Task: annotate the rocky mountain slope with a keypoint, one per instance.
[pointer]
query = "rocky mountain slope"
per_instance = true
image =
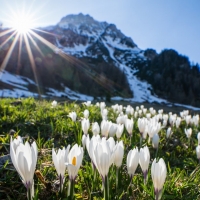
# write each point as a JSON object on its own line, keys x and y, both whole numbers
{"x": 89, "y": 59}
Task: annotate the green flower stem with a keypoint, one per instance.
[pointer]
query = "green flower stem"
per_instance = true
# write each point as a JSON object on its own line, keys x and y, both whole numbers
{"x": 106, "y": 188}
{"x": 71, "y": 189}
{"x": 156, "y": 152}
{"x": 61, "y": 183}
{"x": 76, "y": 136}
{"x": 117, "y": 179}
{"x": 141, "y": 139}
{"x": 29, "y": 193}
{"x": 94, "y": 179}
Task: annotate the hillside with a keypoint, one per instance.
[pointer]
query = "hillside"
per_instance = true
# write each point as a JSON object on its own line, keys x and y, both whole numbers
{"x": 81, "y": 57}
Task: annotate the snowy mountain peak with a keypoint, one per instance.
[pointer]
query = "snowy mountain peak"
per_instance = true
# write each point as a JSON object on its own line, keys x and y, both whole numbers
{"x": 82, "y": 24}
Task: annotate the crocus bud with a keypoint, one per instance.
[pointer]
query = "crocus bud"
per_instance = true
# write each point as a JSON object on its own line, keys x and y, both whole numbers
{"x": 120, "y": 129}
{"x": 73, "y": 116}
{"x": 87, "y": 103}
{"x": 54, "y": 104}
{"x": 155, "y": 141}
{"x": 188, "y": 132}
{"x": 86, "y": 113}
{"x": 113, "y": 130}
{"x": 102, "y": 157}
{"x": 198, "y": 138}
{"x": 198, "y": 152}
{"x": 59, "y": 160}
{"x": 105, "y": 127}
{"x": 158, "y": 174}
{"x": 142, "y": 123}
{"x": 169, "y": 132}
{"x": 129, "y": 126}
{"x": 24, "y": 159}
{"x": 144, "y": 158}
{"x": 118, "y": 153}
{"x": 132, "y": 161}
{"x": 84, "y": 137}
{"x": 85, "y": 125}
{"x": 95, "y": 128}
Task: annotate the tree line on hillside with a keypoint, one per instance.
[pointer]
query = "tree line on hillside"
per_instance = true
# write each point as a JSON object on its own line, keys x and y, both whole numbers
{"x": 172, "y": 77}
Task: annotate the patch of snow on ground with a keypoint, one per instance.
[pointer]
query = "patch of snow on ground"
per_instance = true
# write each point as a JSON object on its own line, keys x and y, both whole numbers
{"x": 70, "y": 94}
{"x": 17, "y": 93}
{"x": 14, "y": 79}
{"x": 186, "y": 106}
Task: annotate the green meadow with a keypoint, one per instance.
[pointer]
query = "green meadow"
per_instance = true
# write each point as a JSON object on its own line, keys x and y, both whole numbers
{"x": 51, "y": 127}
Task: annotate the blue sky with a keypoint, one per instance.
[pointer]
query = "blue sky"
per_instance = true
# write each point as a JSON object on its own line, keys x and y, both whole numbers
{"x": 157, "y": 24}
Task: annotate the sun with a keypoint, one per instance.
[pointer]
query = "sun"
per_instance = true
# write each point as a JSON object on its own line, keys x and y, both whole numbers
{"x": 22, "y": 23}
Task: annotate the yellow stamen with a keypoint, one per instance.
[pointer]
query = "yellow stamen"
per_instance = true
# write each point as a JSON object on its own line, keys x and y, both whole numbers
{"x": 74, "y": 161}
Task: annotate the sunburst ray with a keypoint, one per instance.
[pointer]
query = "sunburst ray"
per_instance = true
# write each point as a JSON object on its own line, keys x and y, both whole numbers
{"x": 30, "y": 54}
{"x": 5, "y": 61}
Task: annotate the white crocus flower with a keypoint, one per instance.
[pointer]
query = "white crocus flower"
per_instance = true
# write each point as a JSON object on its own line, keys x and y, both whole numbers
{"x": 129, "y": 110}
{"x": 87, "y": 103}
{"x": 132, "y": 161}
{"x": 120, "y": 129}
{"x": 165, "y": 117}
{"x": 59, "y": 160}
{"x": 121, "y": 118}
{"x": 105, "y": 127}
{"x": 104, "y": 114}
{"x": 172, "y": 119}
{"x": 187, "y": 119}
{"x": 73, "y": 116}
{"x": 102, "y": 157}
{"x": 54, "y": 104}
{"x": 158, "y": 174}
{"x": 142, "y": 124}
{"x": 86, "y": 113}
{"x": 144, "y": 159}
{"x": 92, "y": 146}
{"x": 178, "y": 122}
{"x": 188, "y": 132}
{"x": 140, "y": 112}
{"x": 164, "y": 124}
{"x": 129, "y": 126}
{"x": 148, "y": 116}
{"x": 111, "y": 143}
{"x": 24, "y": 159}
{"x": 155, "y": 141}
{"x": 74, "y": 161}
{"x": 102, "y": 105}
{"x": 113, "y": 130}
{"x": 95, "y": 128}
{"x": 136, "y": 114}
{"x": 198, "y": 138}
{"x": 144, "y": 110}
{"x": 85, "y": 125}
{"x": 118, "y": 153}
{"x": 198, "y": 152}
{"x": 153, "y": 127}
{"x": 142, "y": 106}
{"x": 17, "y": 141}
{"x": 169, "y": 132}
{"x": 83, "y": 140}
{"x": 196, "y": 120}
